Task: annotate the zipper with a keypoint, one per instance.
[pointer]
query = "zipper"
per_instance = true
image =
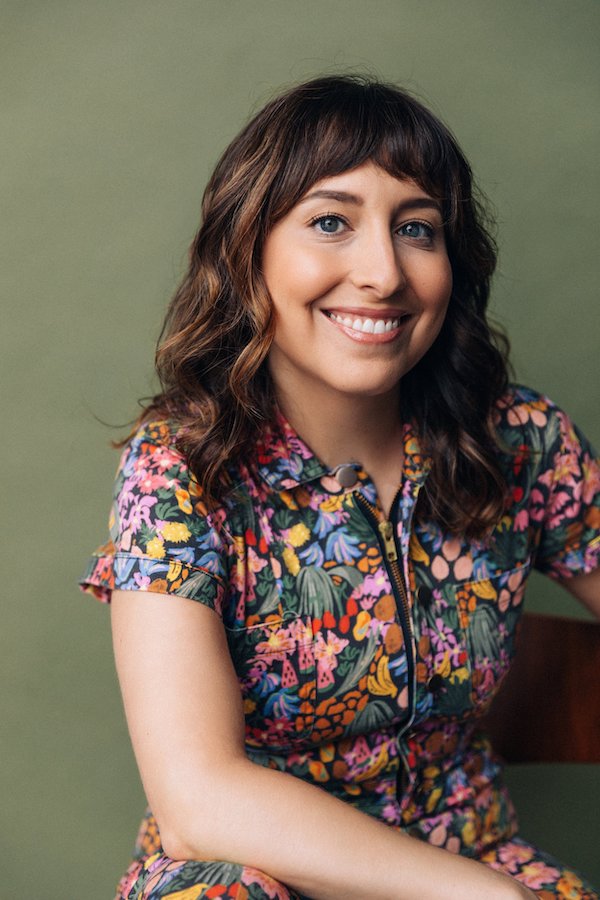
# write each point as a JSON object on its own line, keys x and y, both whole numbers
{"x": 386, "y": 532}
{"x": 385, "y": 529}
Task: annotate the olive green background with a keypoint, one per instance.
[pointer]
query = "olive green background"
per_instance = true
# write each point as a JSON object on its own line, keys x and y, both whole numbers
{"x": 113, "y": 114}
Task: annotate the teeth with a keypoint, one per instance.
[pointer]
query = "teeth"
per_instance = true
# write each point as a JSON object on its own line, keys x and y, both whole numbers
{"x": 366, "y": 326}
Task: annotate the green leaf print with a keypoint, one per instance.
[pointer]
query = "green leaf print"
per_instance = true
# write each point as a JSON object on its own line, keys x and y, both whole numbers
{"x": 317, "y": 592}
{"x": 482, "y": 634}
{"x": 361, "y": 667}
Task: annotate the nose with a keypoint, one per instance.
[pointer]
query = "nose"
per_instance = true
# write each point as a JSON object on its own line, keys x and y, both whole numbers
{"x": 376, "y": 264}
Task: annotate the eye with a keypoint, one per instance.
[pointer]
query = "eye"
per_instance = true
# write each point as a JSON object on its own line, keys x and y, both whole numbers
{"x": 421, "y": 231}
{"x": 329, "y": 224}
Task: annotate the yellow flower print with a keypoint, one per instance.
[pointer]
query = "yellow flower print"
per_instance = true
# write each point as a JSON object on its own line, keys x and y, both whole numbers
{"x": 183, "y": 501}
{"x": 298, "y": 534}
{"x": 176, "y": 532}
{"x": 569, "y": 885}
{"x": 459, "y": 675}
{"x": 155, "y": 548}
{"x": 332, "y": 504}
{"x": 291, "y": 561}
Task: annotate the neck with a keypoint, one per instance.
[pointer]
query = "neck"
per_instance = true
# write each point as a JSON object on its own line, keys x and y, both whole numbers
{"x": 345, "y": 429}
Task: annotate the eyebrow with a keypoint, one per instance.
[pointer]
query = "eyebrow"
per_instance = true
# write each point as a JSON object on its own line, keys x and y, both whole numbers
{"x": 344, "y": 197}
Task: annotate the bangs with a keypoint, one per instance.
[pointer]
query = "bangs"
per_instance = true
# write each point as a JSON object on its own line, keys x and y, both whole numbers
{"x": 338, "y": 125}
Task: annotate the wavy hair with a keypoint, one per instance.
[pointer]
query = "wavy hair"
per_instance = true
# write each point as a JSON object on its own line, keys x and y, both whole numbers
{"x": 211, "y": 356}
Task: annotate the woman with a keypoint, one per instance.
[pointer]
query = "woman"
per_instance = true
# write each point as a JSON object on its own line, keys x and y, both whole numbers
{"x": 339, "y": 473}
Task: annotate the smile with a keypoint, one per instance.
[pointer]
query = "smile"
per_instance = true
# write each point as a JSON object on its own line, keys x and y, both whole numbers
{"x": 365, "y": 327}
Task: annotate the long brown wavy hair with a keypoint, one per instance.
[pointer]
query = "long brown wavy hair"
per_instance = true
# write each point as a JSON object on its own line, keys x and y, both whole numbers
{"x": 212, "y": 352}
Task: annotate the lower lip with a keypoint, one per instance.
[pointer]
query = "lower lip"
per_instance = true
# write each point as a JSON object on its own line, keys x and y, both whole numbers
{"x": 365, "y": 337}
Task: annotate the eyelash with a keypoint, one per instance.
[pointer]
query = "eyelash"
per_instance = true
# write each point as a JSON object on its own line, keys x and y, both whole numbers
{"x": 317, "y": 219}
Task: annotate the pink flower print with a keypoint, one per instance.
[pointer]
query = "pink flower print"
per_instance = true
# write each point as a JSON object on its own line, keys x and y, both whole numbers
{"x": 244, "y": 574}
{"x": 278, "y": 645}
{"x": 536, "y": 874}
{"x": 326, "y": 654}
{"x": 125, "y": 541}
{"x": 513, "y": 855}
{"x": 537, "y": 504}
{"x": 591, "y": 482}
{"x": 570, "y": 440}
{"x": 164, "y": 458}
{"x": 275, "y": 730}
{"x": 142, "y": 581}
{"x": 149, "y": 483}
{"x": 443, "y": 637}
{"x": 519, "y": 415}
{"x": 272, "y": 889}
{"x": 372, "y": 588}
{"x": 139, "y": 513}
{"x": 301, "y": 631}
{"x": 566, "y": 470}
{"x": 329, "y": 650}
{"x": 521, "y": 520}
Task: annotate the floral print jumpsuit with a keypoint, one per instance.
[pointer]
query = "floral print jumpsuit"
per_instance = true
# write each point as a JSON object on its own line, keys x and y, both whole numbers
{"x": 366, "y": 649}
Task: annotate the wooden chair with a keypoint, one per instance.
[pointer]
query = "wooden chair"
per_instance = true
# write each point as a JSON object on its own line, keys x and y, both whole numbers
{"x": 548, "y": 709}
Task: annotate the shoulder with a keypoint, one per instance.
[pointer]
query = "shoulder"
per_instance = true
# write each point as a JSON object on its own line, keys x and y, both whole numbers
{"x": 527, "y": 420}
{"x": 152, "y": 447}
{"x": 521, "y": 407}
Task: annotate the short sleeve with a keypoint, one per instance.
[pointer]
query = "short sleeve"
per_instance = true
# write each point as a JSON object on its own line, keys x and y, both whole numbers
{"x": 161, "y": 537}
{"x": 564, "y": 496}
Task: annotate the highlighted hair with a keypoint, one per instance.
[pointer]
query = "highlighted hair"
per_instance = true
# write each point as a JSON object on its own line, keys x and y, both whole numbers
{"x": 212, "y": 353}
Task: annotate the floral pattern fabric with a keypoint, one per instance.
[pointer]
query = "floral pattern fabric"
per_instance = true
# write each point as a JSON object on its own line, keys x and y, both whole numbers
{"x": 366, "y": 650}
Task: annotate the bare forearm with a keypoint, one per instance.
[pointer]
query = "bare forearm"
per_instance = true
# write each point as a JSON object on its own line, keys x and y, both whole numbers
{"x": 321, "y": 846}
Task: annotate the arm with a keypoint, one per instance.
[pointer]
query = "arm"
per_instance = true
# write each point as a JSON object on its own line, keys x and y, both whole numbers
{"x": 183, "y": 707}
{"x": 586, "y": 588}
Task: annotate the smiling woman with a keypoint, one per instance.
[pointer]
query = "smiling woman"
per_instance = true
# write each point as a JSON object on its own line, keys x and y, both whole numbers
{"x": 323, "y": 527}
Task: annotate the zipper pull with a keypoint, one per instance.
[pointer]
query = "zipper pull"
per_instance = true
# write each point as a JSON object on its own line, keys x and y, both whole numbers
{"x": 386, "y": 529}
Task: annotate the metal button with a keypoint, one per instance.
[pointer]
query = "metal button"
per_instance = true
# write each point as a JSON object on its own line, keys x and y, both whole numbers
{"x": 435, "y": 683}
{"x": 346, "y": 475}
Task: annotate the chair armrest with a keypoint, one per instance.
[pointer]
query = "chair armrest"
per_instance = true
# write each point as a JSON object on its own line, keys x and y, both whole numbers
{"x": 548, "y": 707}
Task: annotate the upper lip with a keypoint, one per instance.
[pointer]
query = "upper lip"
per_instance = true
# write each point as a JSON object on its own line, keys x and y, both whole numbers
{"x": 386, "y": 313}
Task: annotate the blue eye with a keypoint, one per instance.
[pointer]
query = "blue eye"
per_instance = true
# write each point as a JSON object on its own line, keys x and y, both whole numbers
{"x": 328, "y": 224}
{"x": 418, "y": 230}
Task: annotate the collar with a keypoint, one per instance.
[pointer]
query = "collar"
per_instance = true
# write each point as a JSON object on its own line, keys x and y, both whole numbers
{"x": 284, "y": 460}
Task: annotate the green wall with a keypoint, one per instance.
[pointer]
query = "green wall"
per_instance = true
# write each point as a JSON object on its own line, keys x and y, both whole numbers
{"x": 113, "y": 114}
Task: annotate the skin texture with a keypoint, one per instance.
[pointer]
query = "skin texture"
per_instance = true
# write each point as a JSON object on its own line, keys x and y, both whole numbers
{"x": 359, "y": 244}
{"x": 380, "y": 253}
{"x": 187, "y": 734}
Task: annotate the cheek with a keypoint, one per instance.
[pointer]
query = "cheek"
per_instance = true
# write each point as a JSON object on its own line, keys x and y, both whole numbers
{"x": 296, "y": 275}
{"x": 435, "y": 289}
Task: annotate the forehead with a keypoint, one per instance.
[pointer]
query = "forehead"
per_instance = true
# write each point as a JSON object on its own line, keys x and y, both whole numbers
{"x": 365, "y": 184}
